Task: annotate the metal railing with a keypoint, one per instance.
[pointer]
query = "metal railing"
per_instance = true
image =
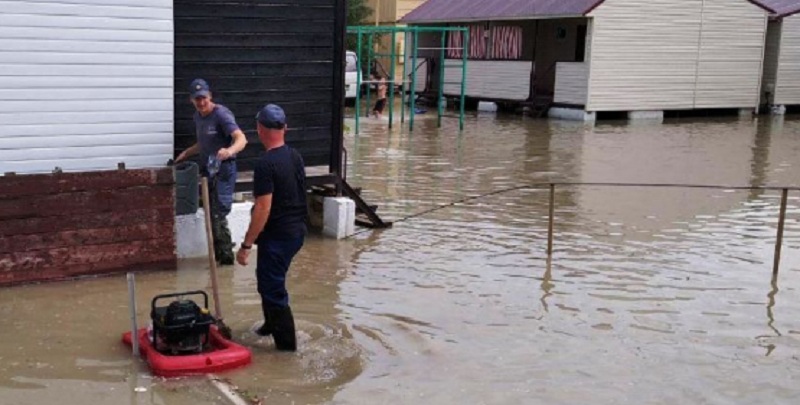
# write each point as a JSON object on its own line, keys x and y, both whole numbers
{"x": 781, "y": 216}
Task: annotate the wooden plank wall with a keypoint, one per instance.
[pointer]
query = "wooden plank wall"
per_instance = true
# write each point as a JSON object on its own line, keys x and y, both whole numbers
{"x": 254, "y": 52}
{"x": 57, "y": 226}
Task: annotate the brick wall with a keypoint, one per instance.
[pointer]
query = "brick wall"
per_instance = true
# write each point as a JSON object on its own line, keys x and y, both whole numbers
{"x": 57, "y": 226}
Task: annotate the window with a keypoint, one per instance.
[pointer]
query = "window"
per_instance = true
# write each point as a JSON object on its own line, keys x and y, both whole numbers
{"x": 477, "y": 43}
{"x": 506, "y": 43}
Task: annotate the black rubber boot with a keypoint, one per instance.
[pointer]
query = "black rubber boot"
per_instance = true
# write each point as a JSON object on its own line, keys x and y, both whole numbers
{"x": 283, "y": 331}
{"x": 266, "y": 328}
{"x": 225, "y": 258}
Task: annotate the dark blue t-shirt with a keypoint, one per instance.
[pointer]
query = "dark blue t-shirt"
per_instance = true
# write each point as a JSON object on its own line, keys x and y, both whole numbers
{"x": 281, "y": 172}
{"x": 214, "y": 131}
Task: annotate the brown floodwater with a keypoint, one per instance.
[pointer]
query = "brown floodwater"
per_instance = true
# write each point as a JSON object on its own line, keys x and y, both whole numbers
{"x": 653, "y": 296}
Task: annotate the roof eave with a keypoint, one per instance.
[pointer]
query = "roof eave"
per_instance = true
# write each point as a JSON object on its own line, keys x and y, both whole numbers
{"x": 479, "y": 19}
{"x": 764, "y": 6}
{"x": 788, "y": 14}
{"x": 593, "y": 7}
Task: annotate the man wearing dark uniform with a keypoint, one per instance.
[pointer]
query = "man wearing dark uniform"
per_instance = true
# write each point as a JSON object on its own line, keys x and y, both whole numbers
{"x": 277, "y": 224}
{"x": 219, "y": 139}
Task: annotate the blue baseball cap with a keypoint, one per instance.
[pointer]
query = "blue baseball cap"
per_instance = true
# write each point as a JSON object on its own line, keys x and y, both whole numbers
{"x": 199, "y": 88}
{"x": 272, "y": 116}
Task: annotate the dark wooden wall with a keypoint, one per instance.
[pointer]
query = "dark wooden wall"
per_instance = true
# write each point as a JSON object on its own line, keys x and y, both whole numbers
{"x": 253, "y": 52}
{"x": 55, "y": 226}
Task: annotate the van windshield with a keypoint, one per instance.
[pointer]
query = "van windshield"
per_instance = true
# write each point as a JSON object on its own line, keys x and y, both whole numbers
{"x": 352, "y": 63}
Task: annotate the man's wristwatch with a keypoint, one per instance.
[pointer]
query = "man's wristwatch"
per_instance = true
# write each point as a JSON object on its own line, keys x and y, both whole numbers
{"x": 246, "y": 246}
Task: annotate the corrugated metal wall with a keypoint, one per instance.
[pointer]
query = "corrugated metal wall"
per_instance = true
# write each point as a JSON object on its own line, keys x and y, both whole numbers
{"x": 644, "y": 54}
{"x": 731, "y": 54}
{"x": 84, "y": 85}
{"x": 788, "y": 82}
{"x": 487, "y": 80}
{"x": 676, "y": 54}
{"x": 253, "y": 52}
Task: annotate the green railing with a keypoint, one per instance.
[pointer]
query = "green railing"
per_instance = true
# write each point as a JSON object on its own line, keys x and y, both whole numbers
{"x": 408, "y": 79}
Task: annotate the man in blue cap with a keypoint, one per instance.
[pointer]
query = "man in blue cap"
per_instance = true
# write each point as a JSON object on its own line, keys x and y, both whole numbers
{"x": 219, "y": 140}
{"x": 277, "y": 224}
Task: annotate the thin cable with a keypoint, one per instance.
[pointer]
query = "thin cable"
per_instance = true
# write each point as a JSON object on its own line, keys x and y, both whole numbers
{"x": 532, "y": 186}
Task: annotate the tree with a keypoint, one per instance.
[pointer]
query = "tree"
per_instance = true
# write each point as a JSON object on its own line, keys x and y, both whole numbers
{"x": 357, "y": 14}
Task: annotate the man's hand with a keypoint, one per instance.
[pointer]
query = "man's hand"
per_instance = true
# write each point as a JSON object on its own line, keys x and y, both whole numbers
{"x": 181, "y": 157}
{"x": 242, "y": 255}
{"x": 224, "y": 154}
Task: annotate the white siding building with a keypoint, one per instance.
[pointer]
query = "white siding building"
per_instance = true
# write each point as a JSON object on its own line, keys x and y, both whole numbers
{"x": 85, "y": 84}
{"x": 781, "y": 84}
{"x": 675, "y": 55}
{"x": 620, "y": 55}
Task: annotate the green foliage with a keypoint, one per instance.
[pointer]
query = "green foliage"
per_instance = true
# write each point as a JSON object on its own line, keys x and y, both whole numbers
{"x": 358, "y": 13}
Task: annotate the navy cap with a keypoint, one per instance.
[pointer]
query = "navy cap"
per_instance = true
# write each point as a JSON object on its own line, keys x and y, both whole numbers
{"x": 272, "y": 116}
{"x": 199, "y": 88}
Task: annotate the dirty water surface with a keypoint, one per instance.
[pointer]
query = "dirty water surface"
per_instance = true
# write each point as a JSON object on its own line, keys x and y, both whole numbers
{"x": 653, "y": 295}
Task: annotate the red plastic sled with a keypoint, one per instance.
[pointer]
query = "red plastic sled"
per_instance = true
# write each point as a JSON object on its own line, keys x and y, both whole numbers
{"x": 224, "y": 355}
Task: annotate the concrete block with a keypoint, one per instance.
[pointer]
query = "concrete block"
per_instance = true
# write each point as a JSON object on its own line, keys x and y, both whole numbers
{"x": 190, "y": 234}
{"x": 190, "y": 230}
{"x": 656, "y": 116}
{"x": 777, "y": 110}
{"x": 339, "y": 217}
{"x": 239, "y": 221}
{"x": 316, "y": 212}
{"x": 572, "y": 114}
{"x": 487, "y": 106}
{"x": 747, "y": 112}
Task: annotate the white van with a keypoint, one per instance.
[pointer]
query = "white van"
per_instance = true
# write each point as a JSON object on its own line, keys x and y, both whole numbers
{"x": 351, "y": 74}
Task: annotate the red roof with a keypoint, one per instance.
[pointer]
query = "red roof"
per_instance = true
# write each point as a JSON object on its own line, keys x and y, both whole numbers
{"x": 780, "y": 8}
{"x": 470, "y": 10}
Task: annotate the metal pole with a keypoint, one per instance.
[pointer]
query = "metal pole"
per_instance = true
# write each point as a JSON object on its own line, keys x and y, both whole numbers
{"x": 779, "y": 242}
{"x": 392, "y": 79}
{"x": 465, "y": 34}
{"x": 405, "y": 77}
{"x": 550, "y": 220}
{"x": 134, "y": 326}
{"x": 442, "y": 64}
{"x": 412, "y": 101}
{"x": 369, "y": 71}
{"x": 358, "y": 80}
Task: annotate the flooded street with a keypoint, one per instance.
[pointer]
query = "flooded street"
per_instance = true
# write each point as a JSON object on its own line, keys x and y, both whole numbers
{"x": 653, "y": 296}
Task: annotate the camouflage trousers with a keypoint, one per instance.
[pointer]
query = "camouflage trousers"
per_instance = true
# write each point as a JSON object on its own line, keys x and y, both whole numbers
{"x": 221, "y": 189}
{"x": 223, "y": 244}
